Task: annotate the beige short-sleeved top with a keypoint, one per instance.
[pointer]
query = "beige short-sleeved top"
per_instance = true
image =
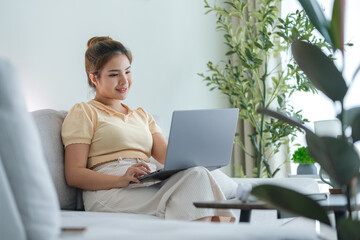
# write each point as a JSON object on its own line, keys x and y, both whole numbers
{"x": 110, "y": 134}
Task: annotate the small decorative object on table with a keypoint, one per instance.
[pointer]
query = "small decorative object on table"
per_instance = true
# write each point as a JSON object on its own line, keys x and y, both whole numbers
{"x": 306, "y": 162}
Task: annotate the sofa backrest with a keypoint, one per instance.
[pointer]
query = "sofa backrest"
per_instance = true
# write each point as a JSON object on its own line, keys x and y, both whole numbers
{"x": 49, "y": 123}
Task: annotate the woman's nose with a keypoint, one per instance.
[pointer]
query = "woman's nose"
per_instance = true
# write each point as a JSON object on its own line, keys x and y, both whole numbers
{"x": 122, "y": 77}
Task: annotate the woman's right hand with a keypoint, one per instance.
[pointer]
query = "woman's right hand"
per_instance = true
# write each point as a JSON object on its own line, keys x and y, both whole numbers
{"x": 135, "y": 171}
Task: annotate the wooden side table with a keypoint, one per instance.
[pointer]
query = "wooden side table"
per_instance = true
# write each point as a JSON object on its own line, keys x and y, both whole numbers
{"x": 335, "y": 203}
{"x": 245, "y": 207}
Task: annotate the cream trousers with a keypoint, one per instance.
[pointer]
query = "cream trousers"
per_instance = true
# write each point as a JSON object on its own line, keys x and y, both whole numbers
{"x": 170, "y": 199}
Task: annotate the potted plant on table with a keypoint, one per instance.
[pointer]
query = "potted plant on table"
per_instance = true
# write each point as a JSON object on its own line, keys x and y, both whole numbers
{"x": 337, "y": 156}
{"x": 306, "y": 162}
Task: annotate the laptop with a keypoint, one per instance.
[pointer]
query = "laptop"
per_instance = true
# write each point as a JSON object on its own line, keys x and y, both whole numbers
{"x": 198, "y": 138}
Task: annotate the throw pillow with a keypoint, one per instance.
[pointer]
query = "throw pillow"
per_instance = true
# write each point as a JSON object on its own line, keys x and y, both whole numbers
{"x": 23, "y": 160}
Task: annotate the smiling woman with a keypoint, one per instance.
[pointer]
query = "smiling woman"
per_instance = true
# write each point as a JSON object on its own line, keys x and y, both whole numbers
{"x": 108, "y": 147}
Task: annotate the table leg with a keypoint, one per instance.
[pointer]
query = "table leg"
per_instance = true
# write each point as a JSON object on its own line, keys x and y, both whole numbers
{"x": 245, "y": 216}
{"x": 338, "y": 216}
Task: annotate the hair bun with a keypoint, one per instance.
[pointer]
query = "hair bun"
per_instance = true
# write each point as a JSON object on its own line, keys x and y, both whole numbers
{"x": 95, "y": 40}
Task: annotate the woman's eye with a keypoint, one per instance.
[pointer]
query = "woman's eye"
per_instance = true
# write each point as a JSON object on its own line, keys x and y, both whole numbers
{"x": 113, "y": 75}
{"x": 127, "y": 72}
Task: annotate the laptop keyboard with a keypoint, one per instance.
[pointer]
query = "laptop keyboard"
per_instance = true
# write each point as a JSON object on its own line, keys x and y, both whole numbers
{"x": 152, "y": 173}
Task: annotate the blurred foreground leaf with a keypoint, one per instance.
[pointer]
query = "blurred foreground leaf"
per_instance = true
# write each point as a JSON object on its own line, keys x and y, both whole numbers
{"x": 352, "y": 118}
{"x": 349, "y": 229}
{"x": 337, "y": 157}
{"x": 325, "y": 76}
{"x": 290, "y": 201}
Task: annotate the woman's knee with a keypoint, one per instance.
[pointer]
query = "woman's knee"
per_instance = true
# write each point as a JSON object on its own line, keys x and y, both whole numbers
{"x": 198, "y": 171}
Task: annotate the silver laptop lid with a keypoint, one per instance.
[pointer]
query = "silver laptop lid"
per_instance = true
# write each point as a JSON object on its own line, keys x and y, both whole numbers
{"x": 201, "y": 138}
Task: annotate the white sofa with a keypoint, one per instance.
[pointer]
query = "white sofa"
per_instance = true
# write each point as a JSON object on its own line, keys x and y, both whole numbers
{"x": 119, "y": 224}
{"x": 35, "y": 201}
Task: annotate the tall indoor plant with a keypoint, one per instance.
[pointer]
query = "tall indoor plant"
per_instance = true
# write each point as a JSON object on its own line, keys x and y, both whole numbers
{"x": 248, "y": 78}
{"x": 337, "y": 156}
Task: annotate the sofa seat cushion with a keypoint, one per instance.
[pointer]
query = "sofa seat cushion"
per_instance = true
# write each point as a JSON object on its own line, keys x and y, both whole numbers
{"x": 101, "y": 225}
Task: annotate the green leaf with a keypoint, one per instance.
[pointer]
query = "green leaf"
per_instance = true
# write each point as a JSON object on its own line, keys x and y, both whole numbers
{"x": 208, "y": 11}
{"x": 336, "y": 156}
{"x": 275, "y": 172}
{"x": 337, "y": 25}
{"x": 352, "y": 118}
{"x": 348, "y": 228}
{"x": 229, "y": 53}
{"x": 317, "y": 18}
{"x": 320, "y": 69}
{"x": 350, "y": 115}
{"x": 290, "y": 201}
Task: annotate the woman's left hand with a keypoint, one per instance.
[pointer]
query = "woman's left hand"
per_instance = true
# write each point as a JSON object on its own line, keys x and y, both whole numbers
{"x": 134, "y": 171}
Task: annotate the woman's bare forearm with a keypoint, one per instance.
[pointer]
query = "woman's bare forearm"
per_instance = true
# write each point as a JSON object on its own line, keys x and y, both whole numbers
{"x": 77, "y": 175}
{"x": 88, "y": 179}
{"x": 159, "y": 147}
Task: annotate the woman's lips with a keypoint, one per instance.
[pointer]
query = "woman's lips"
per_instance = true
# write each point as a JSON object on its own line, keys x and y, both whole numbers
{"x": 121, "y": 90}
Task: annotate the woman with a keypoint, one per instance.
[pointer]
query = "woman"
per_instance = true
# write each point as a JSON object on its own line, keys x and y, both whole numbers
{"x": 108, "y": 146}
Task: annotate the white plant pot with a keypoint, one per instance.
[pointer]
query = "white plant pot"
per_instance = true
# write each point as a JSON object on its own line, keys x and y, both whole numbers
{"x": 307, "y": 168}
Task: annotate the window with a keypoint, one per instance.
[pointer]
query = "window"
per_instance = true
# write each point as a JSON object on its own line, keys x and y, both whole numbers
{"x": 319, "y": 107}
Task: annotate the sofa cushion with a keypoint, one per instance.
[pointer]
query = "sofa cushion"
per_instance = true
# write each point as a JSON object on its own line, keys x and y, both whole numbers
{"x": 12, "y": 228}
{"x": 103, "y": 225}
{"x": 49, "y": 124}
{"x": 24, "y": 163}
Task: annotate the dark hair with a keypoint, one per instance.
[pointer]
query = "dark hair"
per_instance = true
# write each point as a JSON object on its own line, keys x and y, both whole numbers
{"x": 99, "y": 52}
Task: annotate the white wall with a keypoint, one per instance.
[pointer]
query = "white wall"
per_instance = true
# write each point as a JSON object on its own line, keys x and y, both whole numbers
{"x": 171, "y": 41}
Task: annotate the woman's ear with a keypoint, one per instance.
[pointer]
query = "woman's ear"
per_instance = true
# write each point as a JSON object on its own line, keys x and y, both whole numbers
{"x": 93, "y": 78}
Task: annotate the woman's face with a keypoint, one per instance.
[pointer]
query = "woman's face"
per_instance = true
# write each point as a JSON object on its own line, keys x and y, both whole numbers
{"x": 115, "y": 79}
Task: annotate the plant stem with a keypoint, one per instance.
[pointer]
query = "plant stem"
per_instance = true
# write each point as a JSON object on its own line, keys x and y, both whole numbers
{"x": 348, "y": 192}
{"x": 343, "y": 127}
{"x": 348, "y": 198}
{"x": 262, "y": 123}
